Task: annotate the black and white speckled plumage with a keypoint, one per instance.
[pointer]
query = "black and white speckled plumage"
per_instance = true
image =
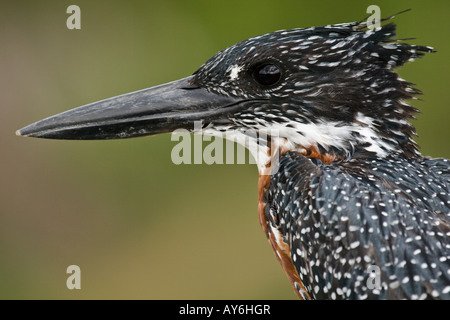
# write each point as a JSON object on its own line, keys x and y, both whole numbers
{"x": 341, "y": 219}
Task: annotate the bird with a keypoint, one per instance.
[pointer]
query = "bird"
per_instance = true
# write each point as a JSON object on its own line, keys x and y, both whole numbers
{"x": 350, "y": 207}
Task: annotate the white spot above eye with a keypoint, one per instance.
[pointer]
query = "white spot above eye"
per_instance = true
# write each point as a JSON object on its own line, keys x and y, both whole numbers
{"x": 234, "y": 71}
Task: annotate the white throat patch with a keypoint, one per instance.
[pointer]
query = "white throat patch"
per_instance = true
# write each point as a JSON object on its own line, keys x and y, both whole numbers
{"x": 295, "y": 136}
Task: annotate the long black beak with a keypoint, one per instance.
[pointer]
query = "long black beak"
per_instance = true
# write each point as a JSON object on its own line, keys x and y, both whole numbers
{"x": 150, "y": 111}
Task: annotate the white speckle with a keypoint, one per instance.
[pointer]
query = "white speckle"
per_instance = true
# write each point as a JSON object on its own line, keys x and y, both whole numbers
{"x": 234, "y": 71}
{"x": 389, "y": 46}
{"x": 369, "y": 136}
{"x": 354, "y": 245}
{"x": 434, "y": 293}
{"x": 329, "y": 64}
{"x": 394, "y": 285}
{"x": 338, "y": 45}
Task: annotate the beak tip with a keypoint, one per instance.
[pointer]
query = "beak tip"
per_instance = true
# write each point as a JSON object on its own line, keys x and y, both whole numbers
{"x": 26, "y": 132}
{"x": 19, "y": 133}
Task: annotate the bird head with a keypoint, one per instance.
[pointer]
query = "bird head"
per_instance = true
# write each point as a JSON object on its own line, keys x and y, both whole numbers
{"x": 328, "y": 92}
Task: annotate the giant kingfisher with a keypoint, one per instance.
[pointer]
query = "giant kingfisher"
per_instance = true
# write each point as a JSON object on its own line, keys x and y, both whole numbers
{"x": 353, "y": 209}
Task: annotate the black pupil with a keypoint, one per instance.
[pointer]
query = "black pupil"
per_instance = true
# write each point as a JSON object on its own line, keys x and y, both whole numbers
{"x": 268, "y": 74}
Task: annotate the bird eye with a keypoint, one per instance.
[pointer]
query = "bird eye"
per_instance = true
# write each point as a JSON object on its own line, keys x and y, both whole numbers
{"x": 267, "y": 74}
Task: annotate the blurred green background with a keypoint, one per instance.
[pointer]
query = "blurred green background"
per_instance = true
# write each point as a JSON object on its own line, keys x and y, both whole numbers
{"x": 139, "y": 226}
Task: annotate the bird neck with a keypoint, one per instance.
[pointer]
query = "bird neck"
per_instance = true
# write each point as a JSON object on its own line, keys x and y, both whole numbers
{"x": 338, "y": 144}
{"x": 341, "y": 141}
